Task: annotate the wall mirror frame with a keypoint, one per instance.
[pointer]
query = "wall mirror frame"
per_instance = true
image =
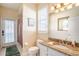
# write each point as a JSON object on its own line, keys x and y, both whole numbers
{"x": 63, "y": 24}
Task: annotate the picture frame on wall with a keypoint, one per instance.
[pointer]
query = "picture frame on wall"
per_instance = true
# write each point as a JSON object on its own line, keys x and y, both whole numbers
{"x": 31, "y": 22}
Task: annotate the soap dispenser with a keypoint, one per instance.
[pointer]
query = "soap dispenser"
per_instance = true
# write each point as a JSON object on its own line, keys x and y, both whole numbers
{"x": 73, "y": 43}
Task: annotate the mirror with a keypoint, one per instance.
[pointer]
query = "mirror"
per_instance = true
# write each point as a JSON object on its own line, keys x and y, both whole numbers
{"x": 63, "y": 24}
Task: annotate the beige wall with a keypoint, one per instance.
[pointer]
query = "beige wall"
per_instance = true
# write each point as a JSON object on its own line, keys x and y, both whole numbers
{"x": 29, "y": 33}
{"x": 8, "y": 13}
{"x": 54, "y": 33}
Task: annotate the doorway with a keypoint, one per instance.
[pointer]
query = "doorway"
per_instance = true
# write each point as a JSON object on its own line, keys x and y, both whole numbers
{"x": 8, "y": 32}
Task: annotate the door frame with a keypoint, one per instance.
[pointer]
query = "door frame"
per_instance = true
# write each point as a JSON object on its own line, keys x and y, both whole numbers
{"x": 0, "y": 33}
{"x": 15, "y": 31}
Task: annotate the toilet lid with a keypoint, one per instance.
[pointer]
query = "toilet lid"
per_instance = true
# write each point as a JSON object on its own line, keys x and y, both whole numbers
{"x": 33, "y": 48}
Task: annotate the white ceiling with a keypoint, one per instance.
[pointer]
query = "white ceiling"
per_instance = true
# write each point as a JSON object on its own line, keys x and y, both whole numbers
{"x": 17, "y": 6}
{"x": 14, "y": 6}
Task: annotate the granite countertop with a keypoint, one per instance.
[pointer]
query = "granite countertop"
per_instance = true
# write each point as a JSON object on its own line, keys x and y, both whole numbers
{"x": 68, "y": 50}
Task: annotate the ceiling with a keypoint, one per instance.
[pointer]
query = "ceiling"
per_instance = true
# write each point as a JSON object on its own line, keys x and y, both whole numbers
{"x": 52, "y": 6}
{"x": 14, "y": 6}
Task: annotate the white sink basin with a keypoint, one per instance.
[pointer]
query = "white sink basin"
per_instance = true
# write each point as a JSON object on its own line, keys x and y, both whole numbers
{"x": 50, "y": 43}
{"x": 53, "y": 43}
{"x": 61, "y": 47}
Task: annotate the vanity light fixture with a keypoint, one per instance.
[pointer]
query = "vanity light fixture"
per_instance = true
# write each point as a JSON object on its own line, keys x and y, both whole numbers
{"x": 58, "y": 5}
{"x": 52, "y": 8}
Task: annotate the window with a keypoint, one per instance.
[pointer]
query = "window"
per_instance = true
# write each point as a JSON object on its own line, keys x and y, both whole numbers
{"x": 43, "y": 25}
{"x": 63, "y": 24}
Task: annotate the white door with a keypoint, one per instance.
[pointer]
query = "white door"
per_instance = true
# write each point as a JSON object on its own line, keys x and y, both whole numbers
{"x": 8, "y": 32}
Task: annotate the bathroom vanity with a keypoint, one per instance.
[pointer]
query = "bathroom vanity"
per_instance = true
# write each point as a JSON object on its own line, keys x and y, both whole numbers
{"x": 47, "y": 49}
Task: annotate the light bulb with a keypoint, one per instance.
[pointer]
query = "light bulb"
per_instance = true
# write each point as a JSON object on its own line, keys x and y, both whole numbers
{"x": 58, "y": 6}
{"x": 69, "y": 7}
{"x": 56, "y": 11}
{"x": 52, "y": 8}
{"x": 66, "y": 3}
{"x": 62, "y": 9}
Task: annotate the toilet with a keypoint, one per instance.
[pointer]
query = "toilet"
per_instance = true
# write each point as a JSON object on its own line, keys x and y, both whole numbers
{"x": 33, "y": 51}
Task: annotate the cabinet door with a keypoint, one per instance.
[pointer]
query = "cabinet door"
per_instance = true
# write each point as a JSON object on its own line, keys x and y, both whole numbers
{"x": 43, "y": 50}
{"x": 52, "y": 52}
